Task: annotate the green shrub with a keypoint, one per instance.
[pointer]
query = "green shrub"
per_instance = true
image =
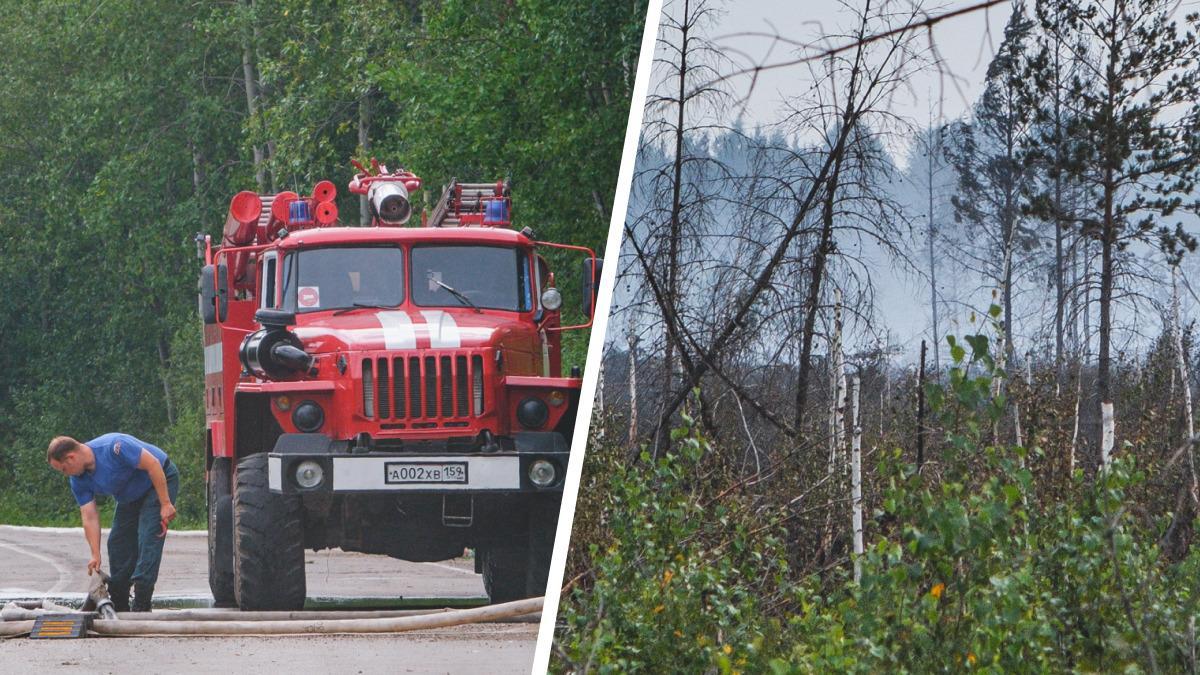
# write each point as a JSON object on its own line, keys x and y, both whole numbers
{"x": 965, "y": 567}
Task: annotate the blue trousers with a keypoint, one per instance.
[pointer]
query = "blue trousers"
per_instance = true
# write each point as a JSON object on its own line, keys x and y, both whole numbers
{"x": 134, "y": 547}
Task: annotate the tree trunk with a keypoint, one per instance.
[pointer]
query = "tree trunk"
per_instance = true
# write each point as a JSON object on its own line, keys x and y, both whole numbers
{"x": 812, "y": 304}
{"x": 921, "y": 410}
{"x": 837, "y": 386}
{"x": 164, "y": 362}
{"x": 1108, "y": 429}
{"x": 198, "y": 174}
{"x": 633, "y": 391}
{"x": 1181, "y": 361}
{"x": 1107, "y": 242}
{"x": 856, "y": 479}
{"x": 933, "y": 303}
{"x": 1103, "y": 370}
{"x": 837, "y": 431}
{"x": 1075, "y": 428}
{"x": 599, "y": 414}
{"x": 250, "y": 79}
{"x": 672, "y": 262}
{"x": 1059, "y": 224}
{"x": 365, "y": 113}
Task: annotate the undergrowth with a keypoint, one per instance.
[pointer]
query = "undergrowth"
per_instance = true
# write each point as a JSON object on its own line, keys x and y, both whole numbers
{"x": 965, "y": 568}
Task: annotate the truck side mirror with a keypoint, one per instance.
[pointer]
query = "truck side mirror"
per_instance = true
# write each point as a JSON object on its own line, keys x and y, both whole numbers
{"x": 591, "y": 284}
{"x": 214, "y": 296}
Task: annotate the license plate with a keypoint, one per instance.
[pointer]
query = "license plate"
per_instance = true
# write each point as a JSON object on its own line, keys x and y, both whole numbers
{"x": 407, "y": 473}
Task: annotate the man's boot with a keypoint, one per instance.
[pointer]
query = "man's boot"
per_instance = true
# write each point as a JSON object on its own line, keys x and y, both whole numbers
{"x": 143, "y": 593}
{"x": 119, "y": 594}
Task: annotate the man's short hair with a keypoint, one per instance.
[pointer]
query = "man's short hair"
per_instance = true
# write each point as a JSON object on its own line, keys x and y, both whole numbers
{"x": 60, "y": 447}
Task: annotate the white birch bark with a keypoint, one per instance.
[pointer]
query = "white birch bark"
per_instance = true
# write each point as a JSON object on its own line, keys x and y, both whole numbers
{"x": 1109, "y": 431}
{"x": 837, "y": 432}
{"x": 1075, "y": 428}
{"x": 856, "y": 479}
{"x": 1185, "y": 378}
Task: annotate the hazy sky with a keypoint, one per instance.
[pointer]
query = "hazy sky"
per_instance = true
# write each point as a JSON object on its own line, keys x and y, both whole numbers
{"x": 965, "y": 43}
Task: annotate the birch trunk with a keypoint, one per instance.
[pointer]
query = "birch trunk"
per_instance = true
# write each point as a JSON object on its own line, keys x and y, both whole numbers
{"x": 1185, "y": 378}
{"x": 837, "y": 432}
{"x": 856, "y": 479}
{"x": 937, "y": 364}
{"x": 1108, "y": 431}
{"x": 1075, "y": 428}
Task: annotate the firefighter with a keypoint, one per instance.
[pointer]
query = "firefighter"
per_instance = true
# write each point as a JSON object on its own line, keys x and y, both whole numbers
{"x": 144, "y": 483}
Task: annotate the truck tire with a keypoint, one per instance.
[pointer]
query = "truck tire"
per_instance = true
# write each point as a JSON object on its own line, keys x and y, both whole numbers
{"x": 504, "y": 573}
{"x": 521, "y": 570}
{"x": 220, "y": 534}
{"x": 543, "y": 521}
{"x": 268, "y": 542}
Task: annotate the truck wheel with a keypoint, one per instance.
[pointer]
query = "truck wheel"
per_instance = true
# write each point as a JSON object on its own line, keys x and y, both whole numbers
{"x": 504, "y": 573}
{"x": 220, "y": 534}
{"x": 543, "y": 521}
{"x": 521, "y": 570}
{"x": 268, "y": 542}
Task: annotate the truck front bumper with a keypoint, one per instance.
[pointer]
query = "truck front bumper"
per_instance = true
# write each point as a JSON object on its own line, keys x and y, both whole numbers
{"x": 298, "y": 459}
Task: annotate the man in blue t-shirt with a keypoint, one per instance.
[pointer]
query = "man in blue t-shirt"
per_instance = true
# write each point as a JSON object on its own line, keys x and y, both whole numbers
{"x": 144, "y": 483}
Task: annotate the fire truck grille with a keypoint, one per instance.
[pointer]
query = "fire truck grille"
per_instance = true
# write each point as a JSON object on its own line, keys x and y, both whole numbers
{"x": 419, "y": 388}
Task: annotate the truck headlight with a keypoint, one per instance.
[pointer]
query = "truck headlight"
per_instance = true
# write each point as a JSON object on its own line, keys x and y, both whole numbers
{"x": 542, "y": 473}
{"x": 532, "y": 413}
{"x": 309, "y": 474}
{"x": 551, "y": 299}
{"x": 308, "y": 417}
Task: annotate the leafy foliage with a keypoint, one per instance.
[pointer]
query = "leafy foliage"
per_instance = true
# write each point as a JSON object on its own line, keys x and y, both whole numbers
{"x": 124, "y": 145}
{"x": 965, "y": 567}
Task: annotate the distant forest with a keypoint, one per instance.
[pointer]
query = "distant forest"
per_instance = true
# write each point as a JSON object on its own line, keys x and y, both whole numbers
{"x": 128, "y": 126}
{"x": 780, "y": 479}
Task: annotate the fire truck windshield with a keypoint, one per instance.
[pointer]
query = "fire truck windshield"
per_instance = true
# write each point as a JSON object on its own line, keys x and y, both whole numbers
{"x": 491, "y": 277}
{"x": 345, "y": 277}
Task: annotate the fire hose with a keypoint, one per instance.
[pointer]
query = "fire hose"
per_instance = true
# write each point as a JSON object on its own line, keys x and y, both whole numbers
{"x": 17, "y": 619}
{"x": 312, "y": 623}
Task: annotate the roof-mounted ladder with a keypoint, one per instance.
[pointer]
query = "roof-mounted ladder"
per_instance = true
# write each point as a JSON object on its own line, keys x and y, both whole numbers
{"x": 473, "y": 205}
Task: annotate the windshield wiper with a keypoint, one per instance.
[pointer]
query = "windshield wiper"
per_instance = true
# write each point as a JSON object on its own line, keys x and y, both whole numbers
{"x": 360, "y": 305}
{"x": 457, "y": 294}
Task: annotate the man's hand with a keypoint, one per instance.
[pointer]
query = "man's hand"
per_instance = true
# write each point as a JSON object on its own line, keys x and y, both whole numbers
{"x": 94, "y": 565}
{"x": 167, "y": 512}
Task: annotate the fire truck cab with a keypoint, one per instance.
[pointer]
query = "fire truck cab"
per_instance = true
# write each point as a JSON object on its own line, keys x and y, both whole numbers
{"x": 383, "y": 389}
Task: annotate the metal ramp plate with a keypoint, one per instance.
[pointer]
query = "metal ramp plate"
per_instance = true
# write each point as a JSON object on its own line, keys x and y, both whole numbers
{"x": 55, "y": 626}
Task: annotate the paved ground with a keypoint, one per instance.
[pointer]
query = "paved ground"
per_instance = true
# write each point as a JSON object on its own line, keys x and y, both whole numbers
{"x": 37, "y": 562}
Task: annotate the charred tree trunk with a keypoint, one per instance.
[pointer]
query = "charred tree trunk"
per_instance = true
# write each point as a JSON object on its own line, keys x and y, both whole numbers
{"x": 672, "y": 262}
{"x": 825, "y": 248}
{"x": 633, "y": 390}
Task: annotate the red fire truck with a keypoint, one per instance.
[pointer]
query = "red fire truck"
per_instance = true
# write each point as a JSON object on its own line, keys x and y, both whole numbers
{"x": 385, "y": 389}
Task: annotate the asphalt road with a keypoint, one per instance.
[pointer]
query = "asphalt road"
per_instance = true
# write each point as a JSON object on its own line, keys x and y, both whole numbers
{"x": 37, "y": 562}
